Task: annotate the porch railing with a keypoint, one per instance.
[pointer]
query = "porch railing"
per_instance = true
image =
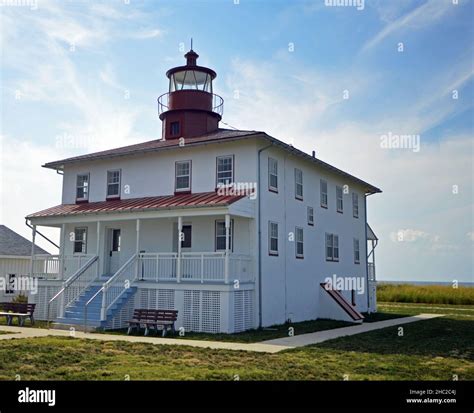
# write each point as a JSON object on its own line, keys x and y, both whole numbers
{"x": 57, "y": 266}
{"x": 157, "y": 266}
{"x": 195, "y": 267}
{"x": 74, "y": 286}
{"x": 241, "y": 268}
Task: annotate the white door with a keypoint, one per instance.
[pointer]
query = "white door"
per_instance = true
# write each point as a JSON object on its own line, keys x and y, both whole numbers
{"x": 114, "y": 250}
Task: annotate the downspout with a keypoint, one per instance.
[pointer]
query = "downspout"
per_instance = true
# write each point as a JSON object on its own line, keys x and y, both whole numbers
{"x": 285, "y": 228}
{"x": 259, "y": 186}
{"x": 366, "y": 255}
{"x": 39, "y": 233}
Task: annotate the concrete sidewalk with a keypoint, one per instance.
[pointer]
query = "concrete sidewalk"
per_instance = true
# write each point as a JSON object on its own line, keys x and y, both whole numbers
{"x": 269, "y": 346}
{"x": 320, "y": 336}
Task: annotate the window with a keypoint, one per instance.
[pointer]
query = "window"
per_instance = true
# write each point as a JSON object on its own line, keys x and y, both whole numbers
{"x": 82, "y": 187}
{"x": 356, "y": 251}
{"x": 183, "y": 176}
{"x": 116, "y": 240}
{"x": 186, "y": 237}
{"x": 299, "y": 242}
{"x": 174, "y": 128}
{"x": 355, "y": 205}
{"x": 113, "y": 184}
{"x": 332, "y": 247}
{"x": 220, "y": 235}
{"x": 323, "y": 193}
{"x": 272, "y": 238}
{"x": 10, "y": 287}
{"x": 272, "y": 175}
{"x": 80, "y": 240}
{"x": 225, "y": 170}
{"x": 339, "y": 203}
{"x": 298, "y": 184}
{"x": 353, "y": 297}
{"x": 310, "y": 214}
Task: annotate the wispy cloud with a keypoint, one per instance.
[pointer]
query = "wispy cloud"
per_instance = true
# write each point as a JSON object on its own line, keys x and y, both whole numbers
{"x": 55, "y": 37}
{"x": 421, "y": 17}
{"x": 416, "y": 195}
{"x": 147, "y": 33}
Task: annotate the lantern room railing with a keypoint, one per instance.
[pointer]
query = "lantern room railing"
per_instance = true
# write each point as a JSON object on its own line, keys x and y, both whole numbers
{"x": 164, "y": 103}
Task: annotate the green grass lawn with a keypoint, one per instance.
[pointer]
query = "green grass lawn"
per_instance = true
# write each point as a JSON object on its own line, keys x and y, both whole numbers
{"x": 276, "y": 331}
{"x": 433, "y": 349}
{"x": 254, "y": 336}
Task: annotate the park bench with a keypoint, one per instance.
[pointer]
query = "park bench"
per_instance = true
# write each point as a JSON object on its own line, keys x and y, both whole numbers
{"x": 20, "y": 310}
{"x": 153, "y": 319}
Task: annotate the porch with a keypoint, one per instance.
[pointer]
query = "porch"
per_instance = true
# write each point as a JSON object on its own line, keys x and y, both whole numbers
{"x": 188, "y": 257}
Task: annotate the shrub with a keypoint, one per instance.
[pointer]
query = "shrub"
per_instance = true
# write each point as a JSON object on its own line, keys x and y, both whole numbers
{"x": 20, "y": 298}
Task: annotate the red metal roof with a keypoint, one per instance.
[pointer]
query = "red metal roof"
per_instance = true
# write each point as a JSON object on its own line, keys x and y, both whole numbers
{"x": 155, "y": 145}
{"x": 203, "y": 199}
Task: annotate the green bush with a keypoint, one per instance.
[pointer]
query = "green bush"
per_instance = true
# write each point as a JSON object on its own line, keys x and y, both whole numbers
{"x": 20, "y": 298}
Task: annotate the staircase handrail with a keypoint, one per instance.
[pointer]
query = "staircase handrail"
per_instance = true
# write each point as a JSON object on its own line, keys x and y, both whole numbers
{"x": 69, "y": 281}
{"x": 104, "y": 288}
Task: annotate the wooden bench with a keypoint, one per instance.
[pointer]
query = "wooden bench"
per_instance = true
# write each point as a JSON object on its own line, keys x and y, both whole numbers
{"x": 153, "y": 319}
{"x": 20, "y": 310}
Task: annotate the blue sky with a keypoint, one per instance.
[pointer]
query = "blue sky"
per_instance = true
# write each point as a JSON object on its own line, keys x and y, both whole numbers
{"x": 79, "y": 76}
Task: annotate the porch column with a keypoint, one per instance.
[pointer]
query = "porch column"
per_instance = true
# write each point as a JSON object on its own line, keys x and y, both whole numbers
{"x": 178, "y": 263}
{"x": 62, "y": 251}
{"x": 97, "y": 249}
{"x": 227, "y": 246}
{"x": 137, "y": 249}
{"x": 32, "y": 250}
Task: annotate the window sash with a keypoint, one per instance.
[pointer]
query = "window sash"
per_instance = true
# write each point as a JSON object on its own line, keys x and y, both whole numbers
{"x": 273, "y": 237}
{"x": 113, "y": 183}
{"x": 220, "y": 235}
{"x": 80, "y": 240}
{"x": 174, "y": 128}
{"x": 310, "y": 213}
{"x": 355, "y": 205}
{"x": 339, "y": 201}
{"x": 356, "y": 251}
{"x": 225, "y": 170}
{"x": 328, "y": 247}
{"x": 298, "y": 183}
{"x": 332, "y": 247}
{"x": 299, "y": 242}
{"x": 82, "y": 187}
{"x": 323, "y": 193}
{"x": 272, "y": 174}
{"x": 335, "y": 248}
{"x": 183, "y": 176}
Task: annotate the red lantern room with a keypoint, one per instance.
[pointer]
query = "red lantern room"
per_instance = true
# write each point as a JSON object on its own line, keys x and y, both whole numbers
{"x": 190, "y": 108}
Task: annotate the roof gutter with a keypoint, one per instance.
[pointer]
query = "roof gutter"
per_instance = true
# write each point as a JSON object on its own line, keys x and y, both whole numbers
{"x": 259, "y": 203}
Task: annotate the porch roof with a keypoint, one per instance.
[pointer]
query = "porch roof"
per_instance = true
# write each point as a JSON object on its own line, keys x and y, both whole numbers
{"x": 203, "y": 199}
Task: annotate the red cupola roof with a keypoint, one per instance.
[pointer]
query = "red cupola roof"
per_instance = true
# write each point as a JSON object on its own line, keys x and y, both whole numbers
{"x": 190, "y": 108}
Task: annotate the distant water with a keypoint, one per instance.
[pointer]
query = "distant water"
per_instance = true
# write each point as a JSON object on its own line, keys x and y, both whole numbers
{"x": 461, "y": 284}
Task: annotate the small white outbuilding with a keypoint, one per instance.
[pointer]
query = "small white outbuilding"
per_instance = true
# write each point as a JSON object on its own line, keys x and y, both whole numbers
{"x": 15, "y": 260}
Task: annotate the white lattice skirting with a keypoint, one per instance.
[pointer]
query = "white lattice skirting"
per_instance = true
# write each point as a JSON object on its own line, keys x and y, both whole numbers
{"x": 210, "y": 310}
